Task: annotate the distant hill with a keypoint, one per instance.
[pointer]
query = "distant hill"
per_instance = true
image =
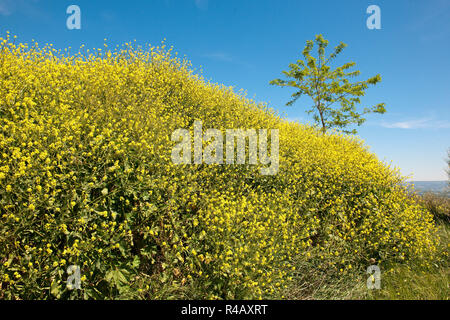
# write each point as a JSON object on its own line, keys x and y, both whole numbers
{"x": 439, "y": 187}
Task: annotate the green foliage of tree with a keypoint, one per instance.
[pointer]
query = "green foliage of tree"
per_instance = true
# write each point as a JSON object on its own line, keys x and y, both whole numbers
{"x": 328, "y": 87}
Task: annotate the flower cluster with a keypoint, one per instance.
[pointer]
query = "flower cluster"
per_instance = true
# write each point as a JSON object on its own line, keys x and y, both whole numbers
{"x": 86, "y": 179}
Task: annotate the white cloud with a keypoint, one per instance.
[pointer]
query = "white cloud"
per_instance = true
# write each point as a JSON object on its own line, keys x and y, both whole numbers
{"x": 418, "y": 124}
{"x": 201, "y": 4}
{"x": 225, "y": 57}
{"x": 26, "y": 7}
{"x": 220, "y": 56}
{"x": 6, "y": 7}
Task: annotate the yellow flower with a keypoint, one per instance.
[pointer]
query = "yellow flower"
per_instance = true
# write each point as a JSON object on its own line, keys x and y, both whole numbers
{"x": 94, "y": 132}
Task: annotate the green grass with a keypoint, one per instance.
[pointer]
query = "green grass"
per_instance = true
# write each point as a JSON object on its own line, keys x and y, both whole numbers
{"x": 412, "y": 281}
{"x": 416, "y": 282}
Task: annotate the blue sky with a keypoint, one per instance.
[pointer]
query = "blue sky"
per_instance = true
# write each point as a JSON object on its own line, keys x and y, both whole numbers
{"x": 246, "y": 44}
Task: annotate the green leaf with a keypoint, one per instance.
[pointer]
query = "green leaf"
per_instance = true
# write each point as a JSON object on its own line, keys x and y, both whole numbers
{"x": 136, "y": 262}
{"x": 55, "y": 289}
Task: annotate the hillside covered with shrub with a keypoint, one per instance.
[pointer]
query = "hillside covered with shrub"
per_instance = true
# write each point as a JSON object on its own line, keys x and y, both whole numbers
{"x": 86, "y": 179}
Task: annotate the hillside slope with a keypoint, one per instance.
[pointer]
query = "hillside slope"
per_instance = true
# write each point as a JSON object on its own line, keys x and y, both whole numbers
{"x": 87, "y": 179}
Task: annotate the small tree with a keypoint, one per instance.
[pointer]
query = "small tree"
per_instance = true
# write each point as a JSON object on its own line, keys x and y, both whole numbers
{"x": 315, "y": 78}
{"x": 448, "y": 163}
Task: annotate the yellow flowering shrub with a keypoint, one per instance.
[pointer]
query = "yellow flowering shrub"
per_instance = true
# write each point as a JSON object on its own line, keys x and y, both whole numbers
{"x": 86, "y": 179}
